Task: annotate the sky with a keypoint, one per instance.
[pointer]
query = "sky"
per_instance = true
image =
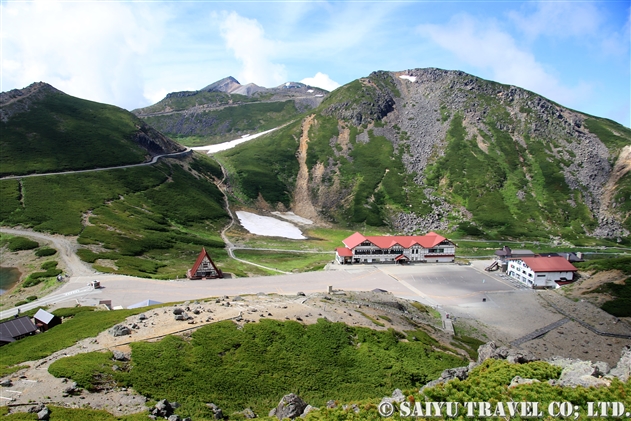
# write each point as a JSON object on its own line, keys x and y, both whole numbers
{"x": 132, "y": 53}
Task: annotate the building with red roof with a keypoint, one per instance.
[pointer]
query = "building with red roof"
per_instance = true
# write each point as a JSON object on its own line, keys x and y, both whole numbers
{"x": 204, "y": 268}
{"x": 542, "y": 272}
{"x": 431, "y": 247}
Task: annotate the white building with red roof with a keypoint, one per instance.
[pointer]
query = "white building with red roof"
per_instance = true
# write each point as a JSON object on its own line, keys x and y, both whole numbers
{"x": 542, "y": 272}
{"x": 394, "y": 248}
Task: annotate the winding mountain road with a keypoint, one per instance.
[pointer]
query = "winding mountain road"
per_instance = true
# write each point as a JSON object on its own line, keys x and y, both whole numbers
{"x": 142, "y": 164}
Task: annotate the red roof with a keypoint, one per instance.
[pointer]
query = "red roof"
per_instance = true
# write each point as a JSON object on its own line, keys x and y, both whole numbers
{"x": 344, "y": 252}
{"x": 200, "y": 259}
{"x": 429, "y": 240}
{"x": 549, "y": 264}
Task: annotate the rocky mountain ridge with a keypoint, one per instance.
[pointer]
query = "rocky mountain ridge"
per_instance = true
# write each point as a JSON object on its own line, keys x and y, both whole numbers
{"x": 226, "y": 109}
{"x": 465, "y": 153}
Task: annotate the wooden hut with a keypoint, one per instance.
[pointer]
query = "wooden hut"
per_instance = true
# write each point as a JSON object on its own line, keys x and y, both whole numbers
{"x": 204, "y": 268}
{"x": 45, "y": 320}
{"x": 17, "y": 328}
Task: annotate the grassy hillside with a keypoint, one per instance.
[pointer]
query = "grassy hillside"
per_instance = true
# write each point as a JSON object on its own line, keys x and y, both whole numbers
{"x": 147, "y": 221}
{"x": 60, "y": 132}
{"x": 255, "y": 366}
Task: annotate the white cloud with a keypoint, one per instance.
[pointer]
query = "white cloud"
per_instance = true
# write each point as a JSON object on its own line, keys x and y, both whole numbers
{"x": 90, "y": 50}
{"x": 246, "y": 38}
{"x": 558, "y": 19}
{"x": 321, "y": 80}
{"x": 487, "y": 47}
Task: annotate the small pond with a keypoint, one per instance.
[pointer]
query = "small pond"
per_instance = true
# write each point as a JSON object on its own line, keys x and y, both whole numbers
{"x": 8, "y": 278}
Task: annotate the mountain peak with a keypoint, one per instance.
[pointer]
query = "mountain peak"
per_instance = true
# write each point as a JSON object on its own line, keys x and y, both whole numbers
{"x": 227, "y": 84}
{"x": 18, "y": 100}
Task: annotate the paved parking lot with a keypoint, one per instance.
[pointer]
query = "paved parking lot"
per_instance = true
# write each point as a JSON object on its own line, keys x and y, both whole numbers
{"x": 446, "y": 284}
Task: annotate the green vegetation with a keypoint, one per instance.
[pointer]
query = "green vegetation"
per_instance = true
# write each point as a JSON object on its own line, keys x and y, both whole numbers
{"x": 21, "y": 243}
{"x": 266, "y": 166}
{"x": 67, "y": 133}
{"x": 81, "y": 369}
{"x": 45, "y": 252}
{"x": 600, "y": 265}
{"x": 79, "y": 323}
{"x": 71, "y": 414}
{"x": 258, "y": 364}
{"x": 614, "y": 135}
{"x": 50, "y": 270}
{"x": 286, "y": 261}
{"x": 153, "y": 220}
{"x": 372, "y": 319}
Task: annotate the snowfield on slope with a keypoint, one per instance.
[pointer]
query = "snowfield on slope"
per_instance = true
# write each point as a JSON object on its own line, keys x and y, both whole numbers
{"x": 268, "y": 226}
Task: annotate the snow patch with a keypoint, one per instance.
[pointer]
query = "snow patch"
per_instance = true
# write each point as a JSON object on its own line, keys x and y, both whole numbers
{"x": 211, "y": 149}
{"x": 268, "y": 226}
{"x": 290, "y": 216}
{"x": 407, "y": 77}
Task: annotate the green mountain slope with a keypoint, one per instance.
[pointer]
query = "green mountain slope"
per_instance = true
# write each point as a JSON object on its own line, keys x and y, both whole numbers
{"x": 226, "y": 110}
{"x": 45, "y": 130}
{"x": 147, "y": 221}
{"x": 432, "y": 149}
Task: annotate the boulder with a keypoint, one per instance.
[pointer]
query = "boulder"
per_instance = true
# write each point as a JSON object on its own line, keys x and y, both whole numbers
{"x": 217, "y": 412}
{"x": 331, "y": 404}
{"x": 398, "y": 395}
{"x": 308, "y": 409}
{"x": 460, "y": 373}
{"x": 6, "y": 383}
{"x": 290, "y": 406}
{"x": 120, "y": 356}
{"x": 181, "y": 316}
{"x": 517, "y": 380}
{"x": 578, "y": 373}
{"x": 248, "y": 414}
{"x": 120, "y": 330}
{"x": 177, "y": 311}
{"x": 44, "y": 414}
{"x": 174, "y": 417}
{"x": 162, "y": 409}
{"x": 35, "y": 409}
{"x": 486, "y": 351}
{"x": 490, "y": 350}
{"x": 73, "y": 388}
{"x": 622, "y": 370}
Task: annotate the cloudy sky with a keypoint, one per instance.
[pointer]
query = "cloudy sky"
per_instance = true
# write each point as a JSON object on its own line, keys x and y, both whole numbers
{"x": 132, "y": 54}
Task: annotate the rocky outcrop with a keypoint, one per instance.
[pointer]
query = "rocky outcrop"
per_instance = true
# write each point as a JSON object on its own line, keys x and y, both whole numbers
{"x": 491, "y": 350}
{"x": 290, "y": 406}
{"x": 574, "y": 372}
{"x": 622, "y": 370}
{"x": 17, "y": 101}
{"x": 578, "y": 373}
{"x": 155, "y": 142}
{"x": 120, "y": 330}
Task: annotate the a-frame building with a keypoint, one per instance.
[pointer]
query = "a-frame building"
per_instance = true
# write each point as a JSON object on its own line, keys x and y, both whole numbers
{"x": 204, "y": 268}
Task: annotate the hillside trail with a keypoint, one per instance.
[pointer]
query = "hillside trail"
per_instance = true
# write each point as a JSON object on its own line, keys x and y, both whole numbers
{"x": 230, "y": 247}
{"x": 66, "y": 247}
{"x": 142, "y": 164}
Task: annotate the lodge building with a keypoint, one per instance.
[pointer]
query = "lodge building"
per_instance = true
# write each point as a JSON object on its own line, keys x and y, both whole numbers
{"x": 396, "y": 249}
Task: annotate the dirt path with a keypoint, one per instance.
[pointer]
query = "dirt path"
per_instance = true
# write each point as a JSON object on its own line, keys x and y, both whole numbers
{"x": 153, "y": 161}
{"x": 66, "y": 246}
